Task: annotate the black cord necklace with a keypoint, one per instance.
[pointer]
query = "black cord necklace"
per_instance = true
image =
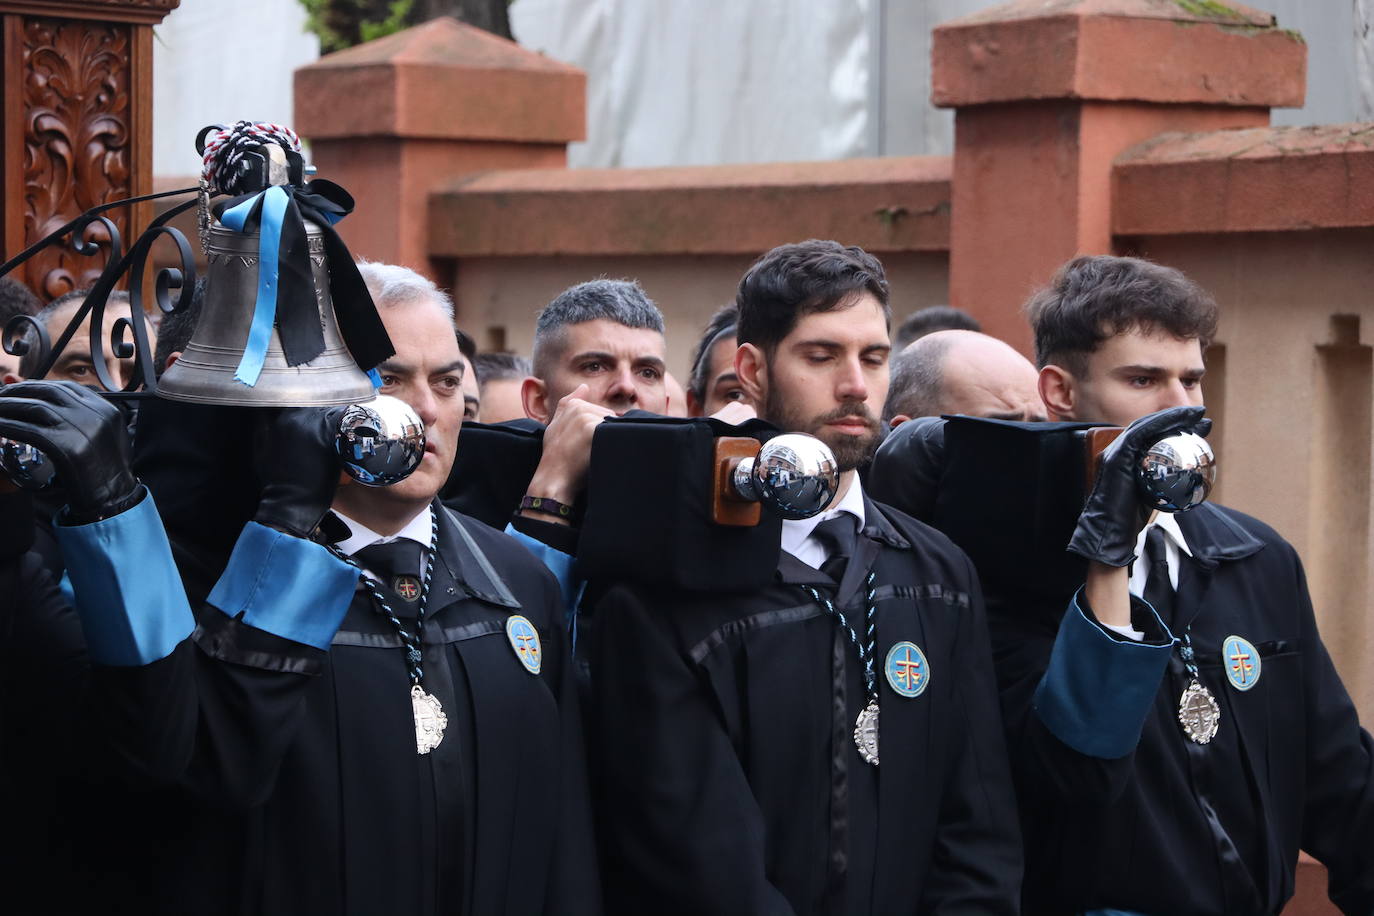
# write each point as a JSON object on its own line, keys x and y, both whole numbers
{"x": 866, "y": 726}
{"x": 430, "y": 720}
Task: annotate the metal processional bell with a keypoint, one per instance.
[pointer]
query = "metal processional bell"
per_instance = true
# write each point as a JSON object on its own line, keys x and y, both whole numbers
{"x": 273, "y": 266}
{"x": 206, "y": 371}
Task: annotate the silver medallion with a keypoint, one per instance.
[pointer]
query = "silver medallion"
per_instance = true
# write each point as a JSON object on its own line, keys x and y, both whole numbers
{"x": 866, "y": 733}
{"x": 430, "y": 720}
{"x": 1199, "y": 713}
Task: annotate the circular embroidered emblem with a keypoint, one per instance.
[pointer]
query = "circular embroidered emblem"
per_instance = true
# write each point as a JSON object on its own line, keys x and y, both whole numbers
{"x": 906, "y": 669}
{"x": 408, "y": 587}
{"x": 1241, "y": 662}
{"x": 524, "y": 639}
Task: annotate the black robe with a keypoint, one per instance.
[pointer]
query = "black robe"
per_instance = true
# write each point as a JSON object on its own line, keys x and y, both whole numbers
{"x": 298, "y": 785}
{"x": 1179, "y": 828}
{"x": 43, "y": 676}
{"x": 728, "y": 778}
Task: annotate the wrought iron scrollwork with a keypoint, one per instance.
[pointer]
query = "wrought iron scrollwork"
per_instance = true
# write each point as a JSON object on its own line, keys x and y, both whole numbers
{"x": 172, "y": 289}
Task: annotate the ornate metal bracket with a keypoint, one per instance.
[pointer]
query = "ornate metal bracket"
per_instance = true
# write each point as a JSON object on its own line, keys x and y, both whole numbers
{"x": 24, "y": 336}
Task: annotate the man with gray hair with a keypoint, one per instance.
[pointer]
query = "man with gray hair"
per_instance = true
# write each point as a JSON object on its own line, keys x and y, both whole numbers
{"x": 384, "y": 682}
{"x": 606, "y": 334}
{"x": 962, "y": 372}
{"x": 598, "y": 352}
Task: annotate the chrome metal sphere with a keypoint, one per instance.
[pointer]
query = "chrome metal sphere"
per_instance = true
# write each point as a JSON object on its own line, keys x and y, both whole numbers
{"x": 25, "y": 465}
{"x": 794, "y": 473}
{"x": 381, "y": 442}
{"x": 1177, "y": 472}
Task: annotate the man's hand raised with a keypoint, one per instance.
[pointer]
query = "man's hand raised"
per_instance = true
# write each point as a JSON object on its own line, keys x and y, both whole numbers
{"x": 293, "y": 452}
{"x": 562, "y": 471}
{"x": 1114, "y": 513}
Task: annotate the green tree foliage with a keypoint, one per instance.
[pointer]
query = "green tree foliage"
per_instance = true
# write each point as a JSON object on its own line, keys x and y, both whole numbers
{"x": 343, "y": 23}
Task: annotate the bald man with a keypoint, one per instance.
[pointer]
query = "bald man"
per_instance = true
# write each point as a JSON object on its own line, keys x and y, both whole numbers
{"x": 962, "y": 372}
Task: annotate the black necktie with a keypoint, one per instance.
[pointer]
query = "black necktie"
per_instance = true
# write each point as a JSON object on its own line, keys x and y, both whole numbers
{"x": 839, "y": 535}
{"x": 397, "y": 566}
{"x": 1159, "y": 591}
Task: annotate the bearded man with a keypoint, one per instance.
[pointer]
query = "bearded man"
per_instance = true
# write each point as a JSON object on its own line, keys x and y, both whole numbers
{"x": 739, "y": 734}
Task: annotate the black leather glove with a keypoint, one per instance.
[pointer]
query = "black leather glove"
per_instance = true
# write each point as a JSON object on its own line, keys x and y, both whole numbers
{"x": 1111, "y": 520}
{"x": 83, "y": 435}
{"x": 907, "y": 469}
{"x": 293, "y": 452}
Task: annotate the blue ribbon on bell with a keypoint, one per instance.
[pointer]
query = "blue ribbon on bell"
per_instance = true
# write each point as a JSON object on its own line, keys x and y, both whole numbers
{"x": 286, "y": 293}
{"x": 273, "y": 202}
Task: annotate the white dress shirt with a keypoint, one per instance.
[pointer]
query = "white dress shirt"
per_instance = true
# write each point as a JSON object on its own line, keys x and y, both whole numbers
{"x": 1140, "y": 572}
{"x": 419, "y": 529}
{"x": 797, "y": 534}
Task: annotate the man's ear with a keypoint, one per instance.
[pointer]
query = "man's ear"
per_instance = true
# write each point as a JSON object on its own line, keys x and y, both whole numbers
{"x": 898, "y": 420}
{"x": 1058, "y": 390}
{"x": 534, "y": 397}
{"x": 752, "y": 369}
{"x": 10, "y": 378}
{"x": 171, "y": 358}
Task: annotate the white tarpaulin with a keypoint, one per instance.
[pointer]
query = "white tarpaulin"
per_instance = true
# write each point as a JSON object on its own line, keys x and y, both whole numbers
{"x": 677, "y": 82}
{"x": 686, "y": 82}
{"x": 219, "y": 62}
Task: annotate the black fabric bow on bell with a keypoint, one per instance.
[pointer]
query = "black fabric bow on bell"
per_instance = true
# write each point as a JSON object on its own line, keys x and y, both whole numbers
{"x": 286, "y": 294}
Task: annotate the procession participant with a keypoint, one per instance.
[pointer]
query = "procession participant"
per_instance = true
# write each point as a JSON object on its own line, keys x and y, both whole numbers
{"x": 713, "y": 383}
{"x": 930, "y": 320}
{"x": 961, "y": 372}
{"x": 71, "y": 828}
{"x": 1182, "y": 733}
{"x": 43, "y": 668}
{"x": 742, "y": 762}
{"x": 404, "y": 739}
{"x": 598, "y": 352}
{"x": 499, "y": 379}
{"x": 15, "y": 299}
{"x": 74, "y": 363}
{"x": 472, "y": 392}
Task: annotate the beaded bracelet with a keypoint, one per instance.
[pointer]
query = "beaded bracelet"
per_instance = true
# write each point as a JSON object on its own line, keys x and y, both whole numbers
{"x": 547, "y": 506}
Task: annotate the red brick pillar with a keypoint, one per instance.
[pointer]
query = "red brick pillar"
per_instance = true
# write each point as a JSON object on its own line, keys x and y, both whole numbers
{"x": 397, "y": 118}
{"x": 1046, "y": 96}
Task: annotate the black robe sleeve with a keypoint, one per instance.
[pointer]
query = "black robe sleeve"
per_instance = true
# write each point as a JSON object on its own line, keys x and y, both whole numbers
{"x": 683, "y": 832}
{"x": 977, "y": 854}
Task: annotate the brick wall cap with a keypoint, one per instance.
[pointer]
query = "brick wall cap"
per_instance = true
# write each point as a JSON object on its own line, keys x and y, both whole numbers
{"x": 441, "y": 80}
{"x": 1268, "y": 179}
{"x": 1253, "y": 143}
{"x": 887, "y": 204}
{"x": 1223, "y": 13}
{"x": 1158, "y": 51}
{"x": 737, "y": 175}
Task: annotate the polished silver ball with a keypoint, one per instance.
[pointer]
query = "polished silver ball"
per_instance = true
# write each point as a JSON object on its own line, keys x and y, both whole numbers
{"x": 26, "y": 466}
{"x": 1177, "y": 473}
{"x": 381, "y": 442}
{"x": 794, "y": 473}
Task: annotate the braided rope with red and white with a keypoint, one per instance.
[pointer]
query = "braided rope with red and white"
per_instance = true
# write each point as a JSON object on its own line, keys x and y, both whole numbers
{"x": 224, "y": 150}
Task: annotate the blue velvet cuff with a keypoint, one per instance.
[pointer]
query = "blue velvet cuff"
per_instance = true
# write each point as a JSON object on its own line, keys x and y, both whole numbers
{"x": 125, "y": 586}
{"x": 286, "y": 586}
{"x": 1098, "y": 689}
{"x": 561, "y": 565}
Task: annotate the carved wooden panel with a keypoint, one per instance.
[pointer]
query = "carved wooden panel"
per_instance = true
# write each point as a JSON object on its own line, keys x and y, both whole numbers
{"x": 77, "y": 132}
